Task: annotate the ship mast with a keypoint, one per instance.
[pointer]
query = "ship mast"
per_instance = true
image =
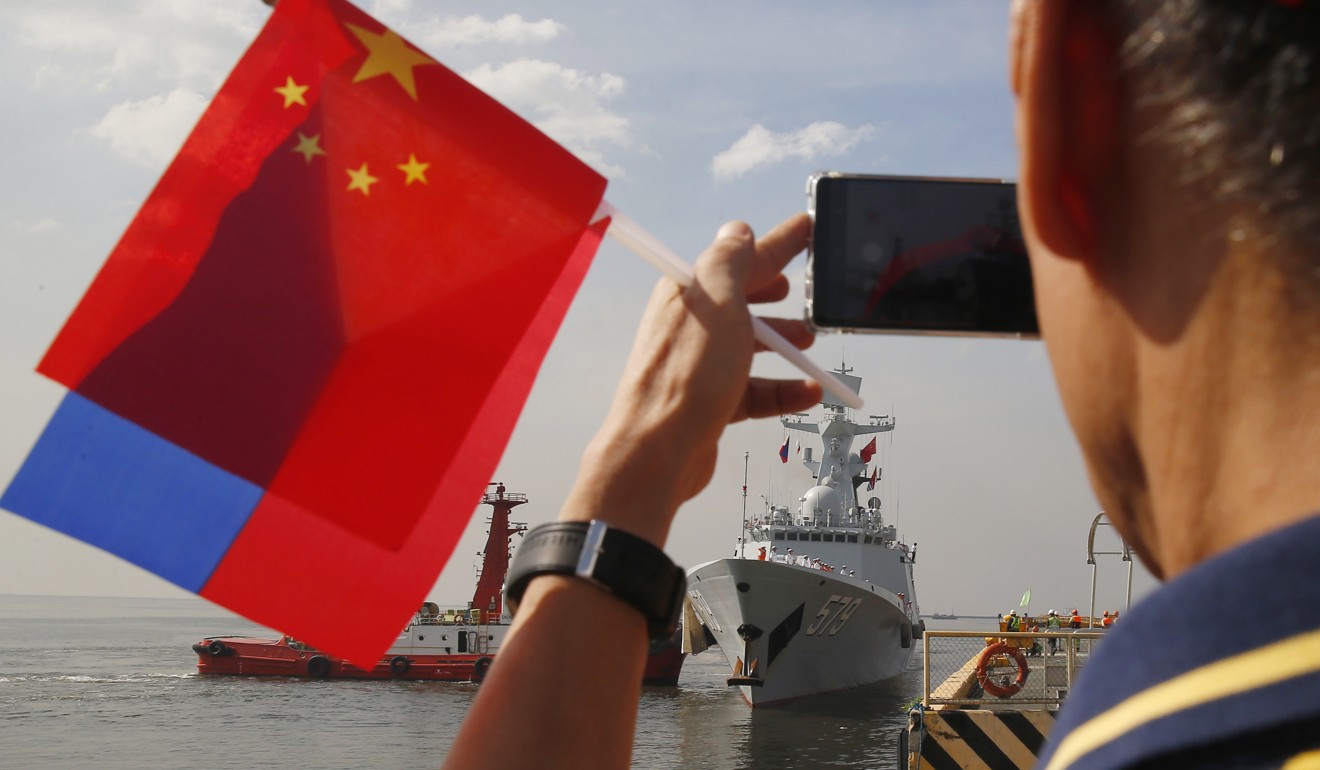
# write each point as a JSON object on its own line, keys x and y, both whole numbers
{"x": 742, "y": 533}
{"x": 837, "y": 430}
{"x": 495, "y": 563}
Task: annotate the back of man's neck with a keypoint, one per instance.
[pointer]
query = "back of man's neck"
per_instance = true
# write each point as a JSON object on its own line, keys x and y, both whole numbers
{"x": 1230, "y": 416}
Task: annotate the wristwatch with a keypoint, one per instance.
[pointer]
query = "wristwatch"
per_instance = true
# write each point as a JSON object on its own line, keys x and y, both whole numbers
{"x": 623, "y": 564}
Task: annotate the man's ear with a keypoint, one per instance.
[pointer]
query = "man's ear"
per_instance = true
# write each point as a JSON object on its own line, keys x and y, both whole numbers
{"x": 1064, "y": 69}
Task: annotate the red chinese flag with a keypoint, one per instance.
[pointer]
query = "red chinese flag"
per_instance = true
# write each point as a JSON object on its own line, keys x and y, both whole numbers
{"x": 868, "y": 451}
{"x": 338, "y": 296}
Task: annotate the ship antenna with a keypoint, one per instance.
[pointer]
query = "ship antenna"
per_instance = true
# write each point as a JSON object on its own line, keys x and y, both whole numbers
{"x": 742, "y": 534}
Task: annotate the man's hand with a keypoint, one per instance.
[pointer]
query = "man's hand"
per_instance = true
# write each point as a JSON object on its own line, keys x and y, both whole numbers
{"x": 688, "y": 377}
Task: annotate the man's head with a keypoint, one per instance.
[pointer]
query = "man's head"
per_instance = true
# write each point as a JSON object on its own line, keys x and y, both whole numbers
{"x": 1236, "y": 85}
{"x": 1170, "y": 196}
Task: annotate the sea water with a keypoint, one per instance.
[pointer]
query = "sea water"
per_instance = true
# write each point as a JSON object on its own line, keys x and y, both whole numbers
{"x": 112, "y": 683}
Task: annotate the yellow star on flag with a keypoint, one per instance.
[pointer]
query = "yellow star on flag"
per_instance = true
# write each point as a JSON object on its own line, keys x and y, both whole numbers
{"x": 292, "y": 93}
{"x": 361, "y": 180}
{"x": 309, "y": 146}
{"x": 388, "y": 54}
{"x": 414, "y": 169}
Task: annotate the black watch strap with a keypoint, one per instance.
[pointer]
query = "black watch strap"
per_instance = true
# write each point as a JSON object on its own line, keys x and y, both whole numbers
{"x": 623, "y": 564}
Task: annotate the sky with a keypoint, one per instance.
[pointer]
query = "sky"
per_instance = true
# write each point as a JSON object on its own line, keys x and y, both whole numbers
{"x": 697, "y": 112}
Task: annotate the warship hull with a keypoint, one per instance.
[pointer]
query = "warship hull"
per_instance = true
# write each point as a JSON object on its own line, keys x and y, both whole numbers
{"x": 791, "y": 632}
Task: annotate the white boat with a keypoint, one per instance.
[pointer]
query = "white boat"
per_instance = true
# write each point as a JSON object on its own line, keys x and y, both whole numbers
{"x": 821, "y": 599}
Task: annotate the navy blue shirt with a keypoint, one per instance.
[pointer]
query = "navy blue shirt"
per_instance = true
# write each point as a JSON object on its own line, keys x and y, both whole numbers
{"x": 1219, "y": 668}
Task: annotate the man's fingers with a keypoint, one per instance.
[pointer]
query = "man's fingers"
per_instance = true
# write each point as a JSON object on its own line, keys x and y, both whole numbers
{"x": 722, "y": 269}
{"x": 774, "y": 291}
{"x": 793, "y": 330}
{"x": 777, "y": 248}
{"x": 726, "y": 266}
{"x": 767, "y": 398}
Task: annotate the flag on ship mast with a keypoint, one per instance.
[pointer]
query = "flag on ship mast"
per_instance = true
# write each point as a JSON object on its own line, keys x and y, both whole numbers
{"x": 875, "y": 475}
{"x": 868, "y": 451}
{"x": 294, "y": 375}
{"x": 783, "y": 451}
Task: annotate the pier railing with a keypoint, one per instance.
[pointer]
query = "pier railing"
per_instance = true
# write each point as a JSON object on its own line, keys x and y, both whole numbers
{"x": 998, "y": 668}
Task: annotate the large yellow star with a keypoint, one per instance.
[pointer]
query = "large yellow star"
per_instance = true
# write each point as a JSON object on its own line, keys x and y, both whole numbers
{"x": 309, "y": 146}
{"x": 361, "y": 180}
{"x": 292, "y": 93}
{"x": 387, "y": 54}
{"x": 414, "y": 169}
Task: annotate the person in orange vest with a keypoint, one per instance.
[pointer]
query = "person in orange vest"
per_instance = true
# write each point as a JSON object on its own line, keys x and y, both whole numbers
{"x": 761, "y": 556}
{"x": 1107, "y": 621}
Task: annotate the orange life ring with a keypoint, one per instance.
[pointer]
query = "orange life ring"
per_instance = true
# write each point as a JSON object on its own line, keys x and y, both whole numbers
{"x": 983, "y": 670}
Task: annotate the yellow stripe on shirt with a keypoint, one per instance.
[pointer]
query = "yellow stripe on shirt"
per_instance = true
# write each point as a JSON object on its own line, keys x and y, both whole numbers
{"x": 1308, "y": 760}
{"x": 1245, "y": 671}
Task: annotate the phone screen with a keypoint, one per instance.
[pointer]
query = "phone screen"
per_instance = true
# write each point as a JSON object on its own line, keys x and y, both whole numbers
{"x": 907, "y": 254}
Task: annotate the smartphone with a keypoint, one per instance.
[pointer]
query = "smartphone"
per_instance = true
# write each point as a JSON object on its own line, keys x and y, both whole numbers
{"x": 922, "y": 255}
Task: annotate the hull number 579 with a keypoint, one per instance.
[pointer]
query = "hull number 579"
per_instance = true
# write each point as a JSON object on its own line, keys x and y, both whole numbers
{"x": 833, "y": 615}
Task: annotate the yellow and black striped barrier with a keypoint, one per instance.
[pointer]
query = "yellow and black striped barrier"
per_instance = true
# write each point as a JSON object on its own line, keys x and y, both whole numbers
{"x": 953, "y": 739}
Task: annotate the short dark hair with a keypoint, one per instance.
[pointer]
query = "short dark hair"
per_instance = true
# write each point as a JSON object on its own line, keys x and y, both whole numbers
{"x": 1240, "y": 80}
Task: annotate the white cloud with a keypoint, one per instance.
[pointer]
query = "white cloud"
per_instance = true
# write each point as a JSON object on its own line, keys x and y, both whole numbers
{"x": 388, "y": 9}
{"x": 568, "y": 105}
{"x": 149, "y": 131}
{"x": 43, "y": 225}
{"x": 104, "y": 45}
{"x": 763, "y": 147}
{"x": 512, "y": 28}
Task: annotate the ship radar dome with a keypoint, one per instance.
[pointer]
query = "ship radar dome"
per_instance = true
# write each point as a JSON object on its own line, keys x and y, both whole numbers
{"x": 822, "y": 504}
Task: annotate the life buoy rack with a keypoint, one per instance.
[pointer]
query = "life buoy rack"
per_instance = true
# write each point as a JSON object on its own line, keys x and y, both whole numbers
{"x": 480, "y": 668}
{"x": 399, "y": 665}
{"x": 983, "y": 670}
{"x": 217, "y": 647}
{"x": 318, "y": 666}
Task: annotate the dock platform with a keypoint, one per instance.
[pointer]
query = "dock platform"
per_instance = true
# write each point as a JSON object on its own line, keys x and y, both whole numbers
{"x": 990, "y": 699}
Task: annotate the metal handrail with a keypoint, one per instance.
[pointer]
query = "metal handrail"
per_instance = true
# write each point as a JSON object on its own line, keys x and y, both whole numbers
{"x": 1063, "y": 633}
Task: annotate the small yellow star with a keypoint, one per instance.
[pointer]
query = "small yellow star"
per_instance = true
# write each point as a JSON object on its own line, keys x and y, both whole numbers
{"x": 361, "y": 180}
{"x": 309, "y": 146}
{"x": 414, "y": 169}
{"x": 292, "y": 93}
{"x": 388, "y": 54}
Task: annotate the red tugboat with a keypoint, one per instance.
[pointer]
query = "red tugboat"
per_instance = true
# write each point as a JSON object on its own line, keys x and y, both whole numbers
{"x": 447, "y": 645}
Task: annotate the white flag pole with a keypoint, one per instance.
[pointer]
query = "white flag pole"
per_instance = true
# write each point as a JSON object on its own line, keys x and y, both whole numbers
{"x": 648, "y": 247}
